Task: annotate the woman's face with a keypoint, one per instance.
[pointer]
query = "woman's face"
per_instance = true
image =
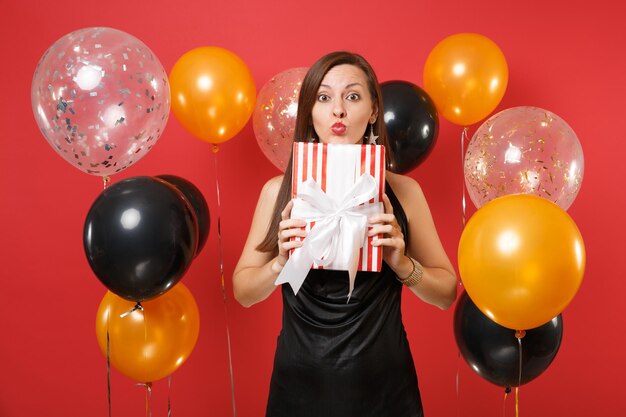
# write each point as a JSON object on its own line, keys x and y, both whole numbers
{"x": 343, "y": 106}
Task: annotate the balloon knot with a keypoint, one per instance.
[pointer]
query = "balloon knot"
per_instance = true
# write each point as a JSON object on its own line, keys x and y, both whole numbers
{"x": 137, "y": 306}
{"x": 146, "y": 385}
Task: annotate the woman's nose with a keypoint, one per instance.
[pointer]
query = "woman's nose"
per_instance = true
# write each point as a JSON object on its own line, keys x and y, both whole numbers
{"x": 339, "y": 111}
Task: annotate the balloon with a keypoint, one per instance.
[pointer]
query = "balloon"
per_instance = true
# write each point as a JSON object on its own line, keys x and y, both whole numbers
{"x": 521, "y": 259}
{"x": 274, "y": 118}
{"x": 524, "y": 150}
{"x": 151, "y": 344}
{"x": 213, "y": 93}
{"x": 140, "y": 236}
{"x": 198, "y": 203}
{"x": 412, "y": 124}
{"x": 466, "y": 75}
{"x": 101, "y": 99}
{"x": 492, "y": 351}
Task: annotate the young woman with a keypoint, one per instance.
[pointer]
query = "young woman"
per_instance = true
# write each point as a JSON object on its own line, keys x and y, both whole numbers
{"x": 335, "y": 358}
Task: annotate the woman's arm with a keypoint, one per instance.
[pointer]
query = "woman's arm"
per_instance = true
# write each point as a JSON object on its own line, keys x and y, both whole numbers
{"x": 439, "y": 283}
{"x": 256, "y": 271}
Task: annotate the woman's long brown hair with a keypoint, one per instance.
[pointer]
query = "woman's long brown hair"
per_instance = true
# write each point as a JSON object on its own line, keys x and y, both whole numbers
{"x": 304, "y": 131}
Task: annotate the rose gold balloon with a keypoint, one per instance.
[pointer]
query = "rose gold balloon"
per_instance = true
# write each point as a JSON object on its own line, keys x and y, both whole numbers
{"x": 274, "y": 118}
{"x": 524, "y": 150}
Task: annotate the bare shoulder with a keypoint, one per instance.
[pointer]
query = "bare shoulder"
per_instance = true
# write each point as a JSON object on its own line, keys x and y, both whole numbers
{"x": 263, "y": 214}
{"x": 404, "y": 187}
{"x": 409, "y": 194}
{"x": 271, "y": 188}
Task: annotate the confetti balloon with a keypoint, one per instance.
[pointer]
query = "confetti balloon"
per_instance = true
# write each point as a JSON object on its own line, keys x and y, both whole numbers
{"x": 524, "y": 150}
{"x": 274, "y": 117}
{"x": 101, "y": 99}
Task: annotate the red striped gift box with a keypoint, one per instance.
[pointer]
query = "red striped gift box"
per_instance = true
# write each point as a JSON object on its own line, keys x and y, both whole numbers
{"x": 336, "y": 168}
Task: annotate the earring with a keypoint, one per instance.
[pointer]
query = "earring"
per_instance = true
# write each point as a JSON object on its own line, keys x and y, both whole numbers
{"x": 372, "y": 138}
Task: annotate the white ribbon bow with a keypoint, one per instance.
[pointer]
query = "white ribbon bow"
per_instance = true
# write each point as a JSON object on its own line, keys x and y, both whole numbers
{"x": 339, "y": 231}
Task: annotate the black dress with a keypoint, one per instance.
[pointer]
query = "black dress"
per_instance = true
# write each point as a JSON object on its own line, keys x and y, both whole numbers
{"x": 345, "y": 359}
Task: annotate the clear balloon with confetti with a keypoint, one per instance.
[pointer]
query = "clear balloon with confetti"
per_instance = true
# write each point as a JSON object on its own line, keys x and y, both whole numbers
{"x": 101, "y": 99}
{"x": 524, "y": 150}
{"x": 274, "y": 117}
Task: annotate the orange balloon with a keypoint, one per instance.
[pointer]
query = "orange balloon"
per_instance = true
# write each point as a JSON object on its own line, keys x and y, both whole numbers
{"x": 466, "y": 75}
{"x": 213, "y": 93}
{"x": 150, "y": 345}
{"x": 522, "y": 260}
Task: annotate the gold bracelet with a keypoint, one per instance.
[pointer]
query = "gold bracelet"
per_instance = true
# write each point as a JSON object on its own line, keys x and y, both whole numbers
{"x": 416, "y": 275}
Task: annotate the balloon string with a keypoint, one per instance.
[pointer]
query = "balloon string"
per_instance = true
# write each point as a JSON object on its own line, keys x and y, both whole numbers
{"x": 458, "y": 395}
{"x": 108, "y": 365}
{"x": 519, "y": 334}
{"x": 219, "y": 238}
{"x": 464, "y": 137}
{"x": 148, "y": 386}
{"x": 145, "y": 361}
{"x": 507, "y": 390}
{"x": 504, "y": 405}
{"x": 169, "y": 391}
{"x": 519, "y": 379}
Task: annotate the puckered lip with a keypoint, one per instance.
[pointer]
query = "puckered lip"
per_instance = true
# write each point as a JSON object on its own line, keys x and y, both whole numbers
{"x": 338, "y": 128}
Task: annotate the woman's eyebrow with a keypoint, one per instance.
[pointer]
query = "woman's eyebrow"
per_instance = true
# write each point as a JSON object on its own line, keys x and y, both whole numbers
{"x": 347, "y": 86}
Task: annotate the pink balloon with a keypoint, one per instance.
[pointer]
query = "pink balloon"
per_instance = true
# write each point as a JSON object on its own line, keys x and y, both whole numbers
{"x": 274, "y": 117}
{"x": 524, "y": 150}
{"x": 101, "y": 99}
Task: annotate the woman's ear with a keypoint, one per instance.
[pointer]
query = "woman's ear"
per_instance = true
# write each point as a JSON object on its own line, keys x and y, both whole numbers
{"x": 374, "y": 115}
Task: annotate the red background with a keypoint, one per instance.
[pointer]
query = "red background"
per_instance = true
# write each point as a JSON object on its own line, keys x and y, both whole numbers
{"x": 564, "y": 56}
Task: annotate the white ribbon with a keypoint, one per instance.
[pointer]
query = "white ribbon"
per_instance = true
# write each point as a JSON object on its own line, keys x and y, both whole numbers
{"x": 339, "y": 232}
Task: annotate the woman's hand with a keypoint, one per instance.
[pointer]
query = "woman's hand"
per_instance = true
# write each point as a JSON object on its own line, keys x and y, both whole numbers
{"x": 393, "y": 239}
{"x": 288, "y": 228}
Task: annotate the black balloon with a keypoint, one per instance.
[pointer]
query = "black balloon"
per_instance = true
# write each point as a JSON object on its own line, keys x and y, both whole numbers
{"x": 412, "y": 124}
{"x": 198, "y": 203}
{"x": 492, "y": 351}
{"x": 140, "y": 237}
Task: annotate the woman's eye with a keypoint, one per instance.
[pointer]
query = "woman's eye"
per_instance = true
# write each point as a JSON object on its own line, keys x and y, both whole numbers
{"x": 353, "y": 97}
{"x": 323, "y": 97}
